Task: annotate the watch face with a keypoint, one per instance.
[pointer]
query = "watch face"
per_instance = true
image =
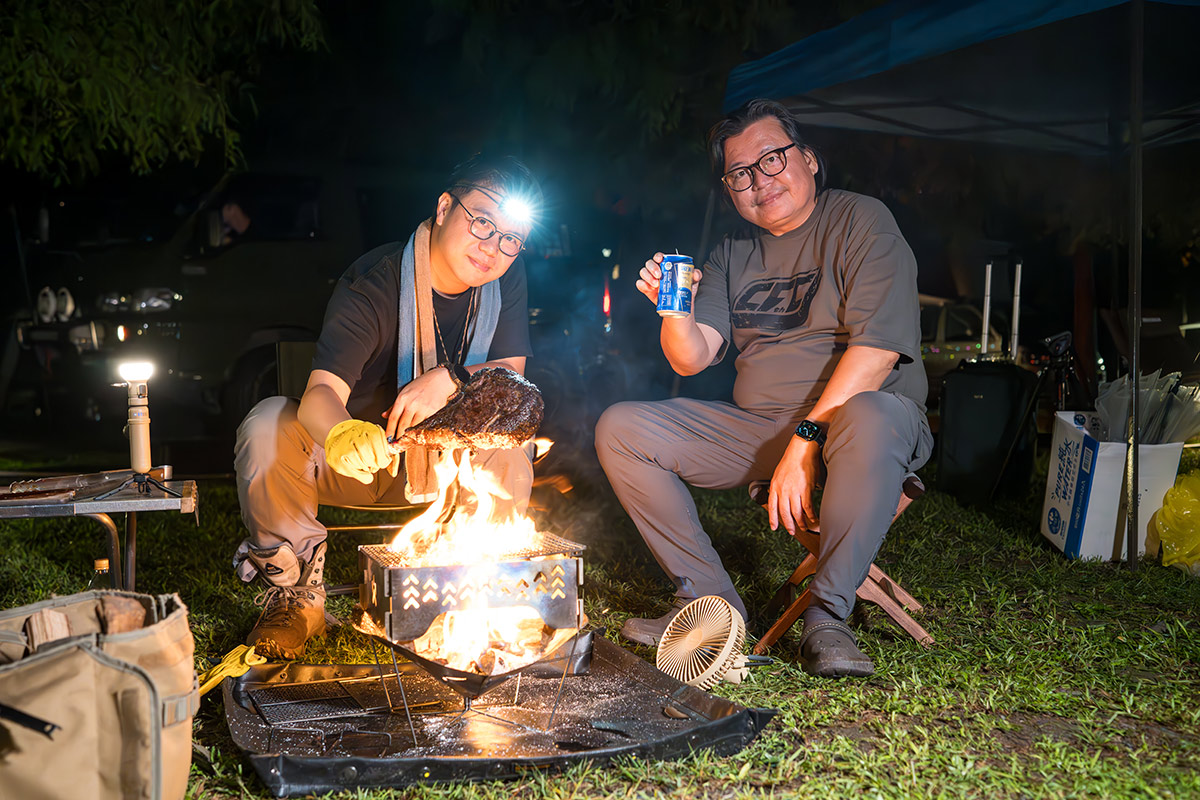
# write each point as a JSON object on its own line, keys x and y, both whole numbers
{"x": 808, "y": 431}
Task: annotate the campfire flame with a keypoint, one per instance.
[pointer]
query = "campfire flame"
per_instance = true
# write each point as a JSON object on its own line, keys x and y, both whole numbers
{"x": 475, "y": 521}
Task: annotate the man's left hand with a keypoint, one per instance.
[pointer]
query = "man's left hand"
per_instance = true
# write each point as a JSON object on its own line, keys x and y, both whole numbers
{"x": 420, "y": 398}
{"x": 799, "y": 473}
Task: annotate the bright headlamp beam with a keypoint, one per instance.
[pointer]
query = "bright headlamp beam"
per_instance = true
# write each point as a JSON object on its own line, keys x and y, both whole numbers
{"x": 518, "y": 209}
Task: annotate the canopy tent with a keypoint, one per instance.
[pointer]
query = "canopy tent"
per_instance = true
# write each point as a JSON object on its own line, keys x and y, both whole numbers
{"x": 1032, "y": 73}
{"x": 1086, "y": 77}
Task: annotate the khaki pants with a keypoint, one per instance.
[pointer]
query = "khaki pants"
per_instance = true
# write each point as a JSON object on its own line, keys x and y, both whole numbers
{"x": 649, "y": 450}
{"x": 282, "y": 477}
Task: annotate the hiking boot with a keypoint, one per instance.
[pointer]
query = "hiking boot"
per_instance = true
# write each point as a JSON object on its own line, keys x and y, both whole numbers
{"x": 293, "y": 604}
{"x": 650, "y": 631}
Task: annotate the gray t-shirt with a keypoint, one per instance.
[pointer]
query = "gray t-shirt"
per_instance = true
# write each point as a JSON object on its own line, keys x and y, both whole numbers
{"x": 792, "y": 304}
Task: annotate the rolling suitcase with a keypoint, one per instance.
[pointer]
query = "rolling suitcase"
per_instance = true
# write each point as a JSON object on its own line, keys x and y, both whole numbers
{"x": 987, "y": 440}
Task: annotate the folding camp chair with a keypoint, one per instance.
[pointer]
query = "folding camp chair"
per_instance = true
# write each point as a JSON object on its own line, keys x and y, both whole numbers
{"x": 878, "y": 588}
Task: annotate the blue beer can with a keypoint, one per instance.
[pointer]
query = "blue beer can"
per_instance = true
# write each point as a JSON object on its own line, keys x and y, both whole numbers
{"x": 675, "y": 286}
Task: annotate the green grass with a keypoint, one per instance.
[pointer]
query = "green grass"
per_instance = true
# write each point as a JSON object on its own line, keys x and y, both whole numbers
{"x": 1050, "y": 678}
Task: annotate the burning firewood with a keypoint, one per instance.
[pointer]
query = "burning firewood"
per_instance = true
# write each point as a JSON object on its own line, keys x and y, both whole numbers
{"x": 489, "y": 642}
{"x": 496, "y": 409}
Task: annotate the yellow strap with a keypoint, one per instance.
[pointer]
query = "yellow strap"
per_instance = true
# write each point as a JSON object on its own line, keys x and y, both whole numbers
{"x": 235, "y": 664}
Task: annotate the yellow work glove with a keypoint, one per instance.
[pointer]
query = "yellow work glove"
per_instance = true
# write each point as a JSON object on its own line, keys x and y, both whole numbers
{"x": 235, "y": 664}
{"x": 358, "y": 450}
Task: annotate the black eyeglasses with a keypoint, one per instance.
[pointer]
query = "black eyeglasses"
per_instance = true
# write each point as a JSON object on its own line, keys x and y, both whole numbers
{"x": 483, "y": 229}
{"x": 772, "y": 162}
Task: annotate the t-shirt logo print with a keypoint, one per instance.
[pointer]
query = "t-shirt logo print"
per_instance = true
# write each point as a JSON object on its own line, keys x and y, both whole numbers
{"x": 776, "y": 304}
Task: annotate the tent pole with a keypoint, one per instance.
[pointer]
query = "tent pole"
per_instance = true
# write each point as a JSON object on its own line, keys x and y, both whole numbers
{"x": 710, "y": 211}
{"x": 1137, "y": 44}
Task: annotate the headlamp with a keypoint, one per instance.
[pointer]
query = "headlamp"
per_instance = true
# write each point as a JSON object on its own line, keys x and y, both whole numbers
{"x": 518, "y": 209}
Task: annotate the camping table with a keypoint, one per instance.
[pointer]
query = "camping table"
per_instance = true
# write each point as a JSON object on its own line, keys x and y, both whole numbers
{"x": 128, "y": 500}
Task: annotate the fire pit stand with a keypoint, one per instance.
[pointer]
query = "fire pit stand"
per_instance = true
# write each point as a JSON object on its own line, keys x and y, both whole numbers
{"x": 321, "y": 728}
{"x": 575, "y": 662}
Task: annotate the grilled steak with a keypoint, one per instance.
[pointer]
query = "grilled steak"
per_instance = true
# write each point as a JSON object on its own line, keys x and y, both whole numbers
{"x": 496, "y": 409}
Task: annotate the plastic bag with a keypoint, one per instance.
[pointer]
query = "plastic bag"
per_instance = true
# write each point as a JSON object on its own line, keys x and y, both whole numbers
{"x": 1178, "y": 524}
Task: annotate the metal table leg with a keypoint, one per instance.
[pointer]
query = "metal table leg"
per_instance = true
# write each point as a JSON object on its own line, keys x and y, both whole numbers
{"x": 114, "y": 548}
{"x": 130, "y": 548}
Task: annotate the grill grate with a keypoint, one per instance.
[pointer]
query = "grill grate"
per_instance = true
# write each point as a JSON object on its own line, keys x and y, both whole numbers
{"x": 550, "y": 545}
{"x": 310, "y": 702}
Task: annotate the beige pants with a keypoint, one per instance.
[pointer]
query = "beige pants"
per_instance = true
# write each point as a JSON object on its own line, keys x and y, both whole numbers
{"x": 282, "y": 477}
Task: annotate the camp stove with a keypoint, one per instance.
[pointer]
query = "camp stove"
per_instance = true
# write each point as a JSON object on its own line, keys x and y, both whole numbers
{"x": 399, "y": 602}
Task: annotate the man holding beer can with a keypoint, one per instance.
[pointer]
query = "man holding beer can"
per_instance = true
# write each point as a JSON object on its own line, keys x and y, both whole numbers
{"x": 820, "y": 301}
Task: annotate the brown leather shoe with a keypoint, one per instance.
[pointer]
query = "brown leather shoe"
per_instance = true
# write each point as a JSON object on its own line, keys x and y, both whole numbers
{"x": 292, "y": 614}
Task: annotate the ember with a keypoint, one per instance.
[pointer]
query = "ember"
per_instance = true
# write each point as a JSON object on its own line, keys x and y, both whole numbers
{"x": 490, "y": 641}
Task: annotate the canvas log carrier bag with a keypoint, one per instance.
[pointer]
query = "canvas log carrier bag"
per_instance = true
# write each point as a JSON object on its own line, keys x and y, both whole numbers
{"x": 97, "y": 695}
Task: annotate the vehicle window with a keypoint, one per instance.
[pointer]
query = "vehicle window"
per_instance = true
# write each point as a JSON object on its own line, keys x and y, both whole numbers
{"x": 963, "y": 322}
{"x": 263, "y": 208}
{"x": 120, "y": 217}
{"x": 929, "y": 322}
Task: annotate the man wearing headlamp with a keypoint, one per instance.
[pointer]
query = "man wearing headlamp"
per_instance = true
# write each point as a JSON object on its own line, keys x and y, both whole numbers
{"x": 458, "y": 275}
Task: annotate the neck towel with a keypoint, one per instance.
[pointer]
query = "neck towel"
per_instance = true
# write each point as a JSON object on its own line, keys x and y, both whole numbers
{"x": 416, "y": 347}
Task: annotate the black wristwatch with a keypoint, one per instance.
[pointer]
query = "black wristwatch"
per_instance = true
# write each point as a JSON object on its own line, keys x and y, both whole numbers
{"x": 458, "y": 374}
{"x": 810, "y": 431}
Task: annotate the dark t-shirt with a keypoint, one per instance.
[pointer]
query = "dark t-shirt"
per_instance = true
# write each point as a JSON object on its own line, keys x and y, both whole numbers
{"x": 358, "y": 338}
{"x": 792, "y": 304}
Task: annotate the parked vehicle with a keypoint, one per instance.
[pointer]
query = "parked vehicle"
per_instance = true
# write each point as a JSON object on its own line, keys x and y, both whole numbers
{"x": 184, "y": 289}
{"x": 952, "y": 332}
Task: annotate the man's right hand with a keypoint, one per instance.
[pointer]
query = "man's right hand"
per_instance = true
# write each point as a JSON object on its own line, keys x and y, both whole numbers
{"x": 651, "y": 274}
{"x": 358, "y": 450}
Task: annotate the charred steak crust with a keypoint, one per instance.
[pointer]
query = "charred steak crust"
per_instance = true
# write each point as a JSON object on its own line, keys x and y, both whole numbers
{"x": 496, "y": 409}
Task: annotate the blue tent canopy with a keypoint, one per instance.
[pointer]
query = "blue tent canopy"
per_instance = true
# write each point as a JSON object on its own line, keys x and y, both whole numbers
{"x": 1044, "y": 74}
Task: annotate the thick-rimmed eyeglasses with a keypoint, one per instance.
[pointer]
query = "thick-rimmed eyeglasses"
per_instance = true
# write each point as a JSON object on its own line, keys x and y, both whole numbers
{"x": 483, "y": 229}
{"x": 772, "y": 162}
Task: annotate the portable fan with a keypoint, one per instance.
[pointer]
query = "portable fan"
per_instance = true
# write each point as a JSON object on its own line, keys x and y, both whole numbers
{"x": 703, "y": 644}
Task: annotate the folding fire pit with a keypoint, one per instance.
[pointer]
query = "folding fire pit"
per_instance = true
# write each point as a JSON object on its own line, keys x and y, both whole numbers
{"x": 399, "y": 603}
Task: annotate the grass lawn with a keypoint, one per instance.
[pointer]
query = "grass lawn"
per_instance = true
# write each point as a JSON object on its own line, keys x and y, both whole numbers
{"x": 1050, "y": 678}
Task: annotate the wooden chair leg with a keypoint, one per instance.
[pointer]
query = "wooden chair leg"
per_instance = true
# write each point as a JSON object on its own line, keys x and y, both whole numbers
{"x": 873, "y": 593}
{"x": 785, "y": 621}
{"x": 878, "y": 588}
{"x": 894, "y": 590}
{"x": 786, "y": 593}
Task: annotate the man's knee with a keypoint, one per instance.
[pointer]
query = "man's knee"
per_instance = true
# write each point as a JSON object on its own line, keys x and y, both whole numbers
{"x": 867, "y": 419}
{"x": 620, "y": 424}
{"x": 271, "y": 426}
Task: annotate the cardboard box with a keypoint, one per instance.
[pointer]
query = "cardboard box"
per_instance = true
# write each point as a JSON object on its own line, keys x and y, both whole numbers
{"x": 1084, "y": 509}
